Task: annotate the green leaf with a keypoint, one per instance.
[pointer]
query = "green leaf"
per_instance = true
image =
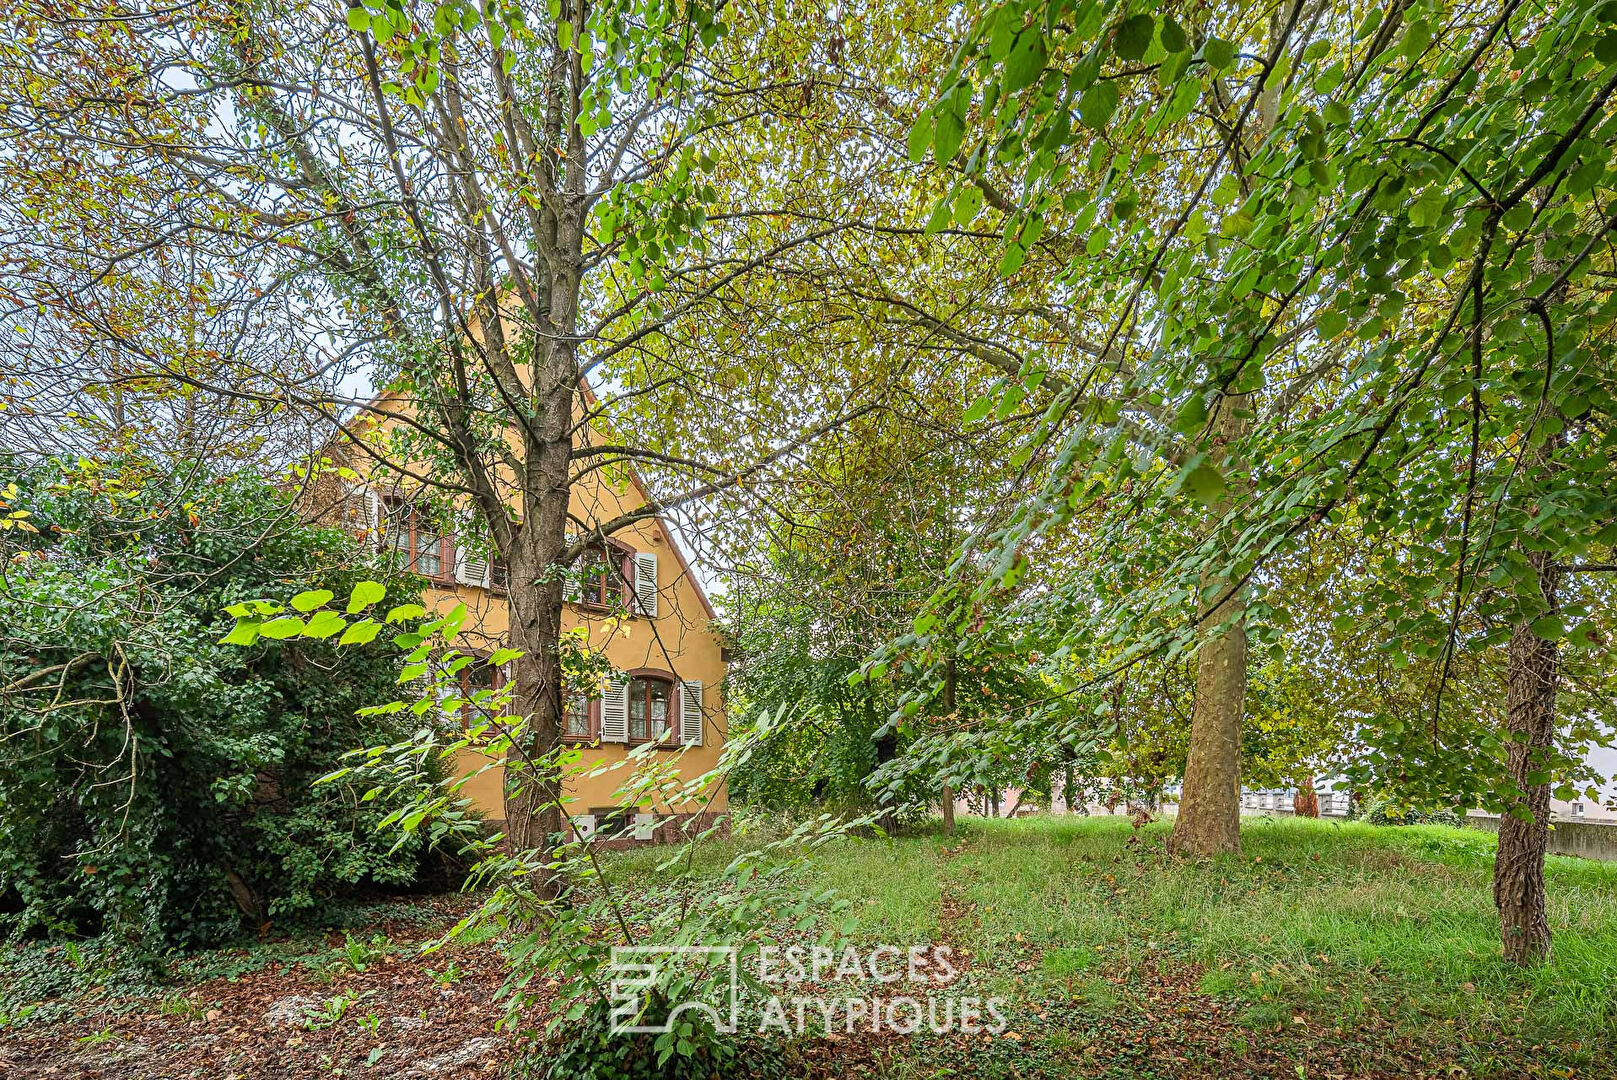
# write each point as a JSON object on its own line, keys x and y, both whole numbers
{"x": 359, "y": 19}
{"x": 1218, "y": 53}
{"x": 968, "y": 204}
{"x": 1002, "y": 35}
{"x": 1192, "y": 414}
{"x": 1173, "y": 36}
{"x": 1134, "y": 36}
{"x": 1204, "y": 483}
{"x": 1011, "y": 261}
{"x": 1026, "y": 62}
{"x": 1332, "y": 323}
{"x": 1097, "y": 104}
{"x": 921, "y": 136}
{"x": 308, "y": 601}
{"x": 1173, "y": 67}
{"x": 1416, "y": 38}
{"x": 284, "y": 627}
{"x": 322, "y": 624}
{"x": 243, "y": 633}
{"x": 361, "y": 633}
{"x": 405, "y": 611}
{"x": 951, "y": 131}
{"x": 979, "y": 409}
{"x": 1428, "y": 209}
{"x": 1550, "y": 628}
{"x": 364, "y": 595}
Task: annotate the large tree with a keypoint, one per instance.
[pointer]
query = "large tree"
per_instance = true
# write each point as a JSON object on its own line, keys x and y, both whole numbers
{"x": 535, "y": 226}
{"x": 1381, "y": 238}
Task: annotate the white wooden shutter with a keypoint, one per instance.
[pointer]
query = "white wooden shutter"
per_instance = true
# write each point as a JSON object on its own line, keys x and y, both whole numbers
{"x": 571, "y": 590}
{"x": 470, "y": 569}
{"x": 615, "y": 710}
{"x": 373, "y": 516}
{"x": 645, "y": 582}
{"x": 690, "y": 713}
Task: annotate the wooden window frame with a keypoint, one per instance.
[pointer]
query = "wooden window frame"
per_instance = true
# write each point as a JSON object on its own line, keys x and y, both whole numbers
{"x": 626, "y": 572}
{"x": 496, "y": 681}
{"x": 446, "y": 543}
{"x": 670, "y": 736}
{"x": 592, "y": 712}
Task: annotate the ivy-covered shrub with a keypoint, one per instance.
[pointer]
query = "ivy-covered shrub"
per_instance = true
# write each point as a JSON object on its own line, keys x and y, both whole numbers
{"x": 155, "y": 784}
{"x": 1381, "y": 810}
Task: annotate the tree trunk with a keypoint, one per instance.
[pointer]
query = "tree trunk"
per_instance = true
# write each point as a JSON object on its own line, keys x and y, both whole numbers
{"x": 533, "y": 811}
{"x": 948, "y": 709}
{"x": 533, "y": 814}
{"x": 1209, "y": 821}
{"x": 1532, "y": 669}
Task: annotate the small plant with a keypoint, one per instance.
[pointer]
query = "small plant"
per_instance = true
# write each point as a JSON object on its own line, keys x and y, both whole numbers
{"x": 181, "y": 1006}
{"x": 101, "y": 1038}
{"x": 554, "y": 900}
{"x": 372, "y": 1023}
{"x": 331, "y": 1011}
{"x": 448, "y": 977}
{"x": 360, "y": 956}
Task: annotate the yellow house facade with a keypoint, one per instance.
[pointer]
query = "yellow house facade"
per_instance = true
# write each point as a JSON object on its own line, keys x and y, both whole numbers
{"x": 641, "y": 607}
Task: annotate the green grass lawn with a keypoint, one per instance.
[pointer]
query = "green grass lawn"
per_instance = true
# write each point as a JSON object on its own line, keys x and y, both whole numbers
{"x": 1323, "y": 945}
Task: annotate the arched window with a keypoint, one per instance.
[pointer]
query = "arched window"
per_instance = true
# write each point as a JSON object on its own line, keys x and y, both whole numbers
{"x": 651, "y": 708}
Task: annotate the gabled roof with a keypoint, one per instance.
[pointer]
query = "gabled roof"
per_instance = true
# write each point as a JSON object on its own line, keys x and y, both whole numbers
{"x": 667, "y": 534}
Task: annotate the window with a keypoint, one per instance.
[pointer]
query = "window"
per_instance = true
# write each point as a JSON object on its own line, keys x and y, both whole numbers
{"x": 650, "y": 703}
{"x": 499, "y": 575}
{"x": 420, "y": 542}
{"x": 579, "y": 720}
{"x": 479, "y": 675}
{"x": 604, "y": 574}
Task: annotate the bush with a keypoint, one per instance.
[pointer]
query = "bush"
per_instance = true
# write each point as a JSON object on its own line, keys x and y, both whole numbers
{"x": 1381, "y": 810}
{"x": 589, "y": 1050}
{"x": 156, "y": 785}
